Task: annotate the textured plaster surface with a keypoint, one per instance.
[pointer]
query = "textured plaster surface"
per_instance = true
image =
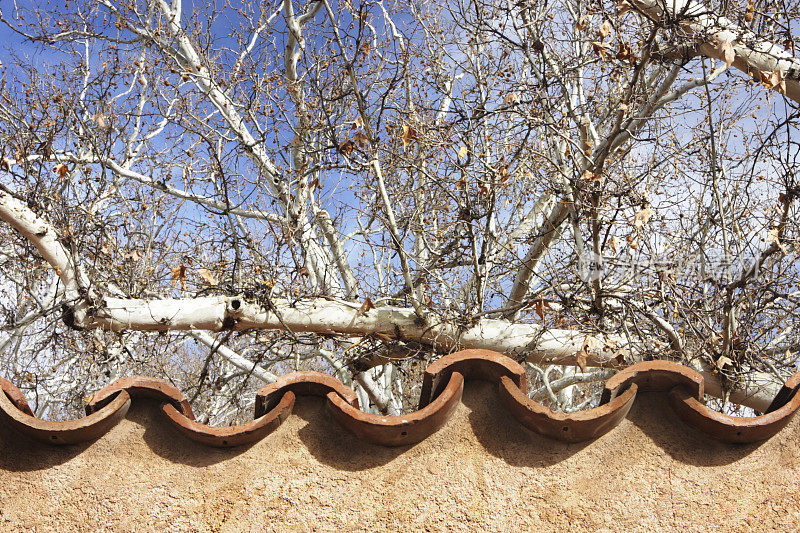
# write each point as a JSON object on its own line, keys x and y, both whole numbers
{"x": 482, "y": 471}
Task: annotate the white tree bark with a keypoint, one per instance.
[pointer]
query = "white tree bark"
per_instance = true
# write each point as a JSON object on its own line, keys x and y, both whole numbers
{"x": 45, "y": 238}
{"x": 752, "y": 53}
{"x": 334, "y": 317}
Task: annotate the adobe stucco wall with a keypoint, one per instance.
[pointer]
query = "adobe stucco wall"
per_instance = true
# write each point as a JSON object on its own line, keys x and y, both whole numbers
{"x": 482, "y": 471}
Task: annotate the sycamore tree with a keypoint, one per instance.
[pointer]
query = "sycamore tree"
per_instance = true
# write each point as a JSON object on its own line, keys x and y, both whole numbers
{"x": 223, "y": 192}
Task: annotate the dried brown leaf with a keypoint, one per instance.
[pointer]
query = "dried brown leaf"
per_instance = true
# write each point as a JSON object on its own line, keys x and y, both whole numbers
{"x": 602, "y": 50}
{"x": 589, "y": 176}
{"x": 362, "y": 139}
{"x": 726, "y": 52}
{"x": 580, "y": 359}
{"x": 409, "y": 134}
{"x": 620, "y": 355}
{"x": 503, "y": 171}
{"x": 62, "y": 170}
{"x": 206, "y": 275}
{"x": 625, "y": 53}
{"x": 366, "y": 306}
{"x": 723, "y": 361}
{"x": 614, "y": 243}
{"x": 539, "y": 306}
{"x": 605, "y": 29}
{"x": 772, "y": 79}
{"x": 179, "y": 274}
{"x": 346, "y": 148}
{"x": 643, "y": 217}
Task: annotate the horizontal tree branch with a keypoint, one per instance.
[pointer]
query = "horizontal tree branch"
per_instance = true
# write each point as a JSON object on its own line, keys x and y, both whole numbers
{"x": 752, "y": 53}
{"x": 333, "y": 317}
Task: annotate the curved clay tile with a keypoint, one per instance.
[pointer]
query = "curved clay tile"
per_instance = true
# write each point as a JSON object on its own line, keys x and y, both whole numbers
{"x": 69, "y": 431}
{"x": 142, "y": 387}
{"x": 404, "y": 429}
{"x": 302, "y": 384}
{"x": 228, "y": 436}
{"x": 734, "y": 429}
{"x": 570, "y": 427}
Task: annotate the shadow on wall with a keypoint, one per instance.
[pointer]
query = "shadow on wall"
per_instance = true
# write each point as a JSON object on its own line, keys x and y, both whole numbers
{"x": 652, "y": 414}
{"x": 504, "y": 437}
{"x": 492, "y": 429}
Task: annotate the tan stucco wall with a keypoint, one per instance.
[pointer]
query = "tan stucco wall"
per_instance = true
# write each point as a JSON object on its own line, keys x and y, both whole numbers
{"x": 482, "y": 471}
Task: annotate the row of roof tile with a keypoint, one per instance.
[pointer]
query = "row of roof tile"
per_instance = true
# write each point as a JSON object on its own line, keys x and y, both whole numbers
{"x": 442, "y": 387}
